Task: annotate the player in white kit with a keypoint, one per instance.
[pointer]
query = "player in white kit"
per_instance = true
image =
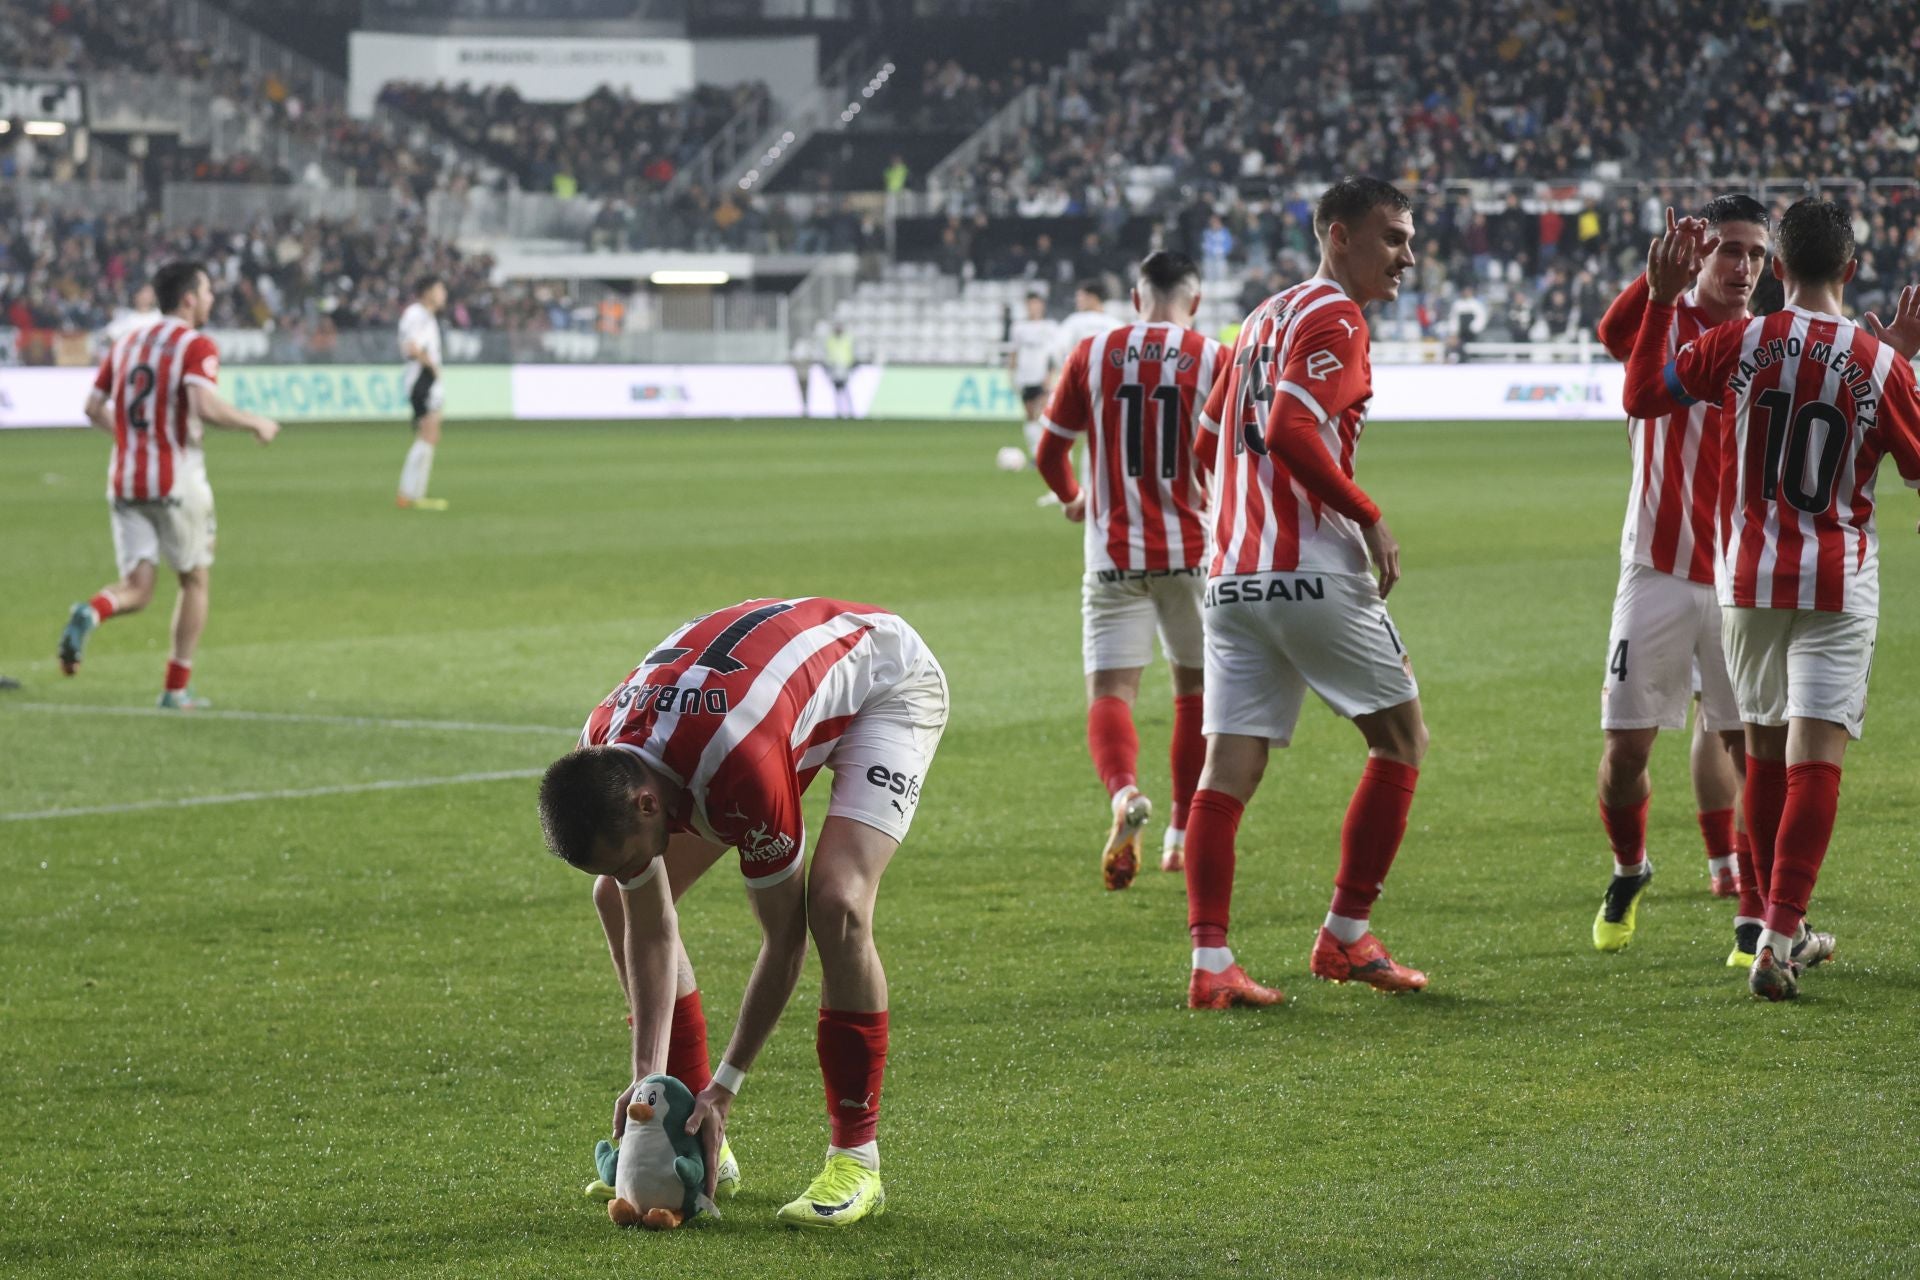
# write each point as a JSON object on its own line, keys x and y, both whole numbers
{"x": 1030, "y": 352}
{"x": 1810, "y": 404}
{"x": 420, "y": 345}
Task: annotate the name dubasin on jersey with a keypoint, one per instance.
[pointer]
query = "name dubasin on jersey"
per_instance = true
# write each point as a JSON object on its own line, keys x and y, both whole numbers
{"x": 670, "y": 699}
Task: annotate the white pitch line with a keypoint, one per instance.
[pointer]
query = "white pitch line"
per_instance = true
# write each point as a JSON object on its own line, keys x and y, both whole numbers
{"x": 290, "y": 717}
{"x": 244, "y": 797}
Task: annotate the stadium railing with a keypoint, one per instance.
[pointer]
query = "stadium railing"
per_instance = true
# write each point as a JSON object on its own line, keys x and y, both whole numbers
{"x": 75, "y": 197}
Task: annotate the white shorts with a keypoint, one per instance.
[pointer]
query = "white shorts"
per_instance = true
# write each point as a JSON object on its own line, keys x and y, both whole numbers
{"x": 178, "y": 530}
{"x": 1122, "y": 609}
{"x": 1796, "y": 664}
{"x": 881, "y": 760}
{"x": 1662, "y": 627}
{"x": 1273, "y": 636}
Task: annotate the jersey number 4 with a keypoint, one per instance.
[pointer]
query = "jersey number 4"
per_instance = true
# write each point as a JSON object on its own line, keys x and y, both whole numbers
{"x": 1134, "y": 399}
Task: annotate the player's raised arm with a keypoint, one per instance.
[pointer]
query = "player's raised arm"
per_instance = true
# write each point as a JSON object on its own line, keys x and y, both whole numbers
{"x": 1655, "y": 385}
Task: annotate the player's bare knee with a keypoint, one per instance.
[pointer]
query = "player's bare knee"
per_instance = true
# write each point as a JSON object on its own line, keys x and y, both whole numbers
{"x": 838, "y": 916}
{"x": 1626, "y": 754}
{"x": 1187, "y": 681}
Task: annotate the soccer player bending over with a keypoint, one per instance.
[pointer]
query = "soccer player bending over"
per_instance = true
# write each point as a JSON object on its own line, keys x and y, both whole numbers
{"x": 1666, "y": 617}
{"x": 1291, "y": 605}
{"x": 1134, "y": 393}
{"x": 706, "y": 746}
{"x": 153, "y": 395}
{"x": 1809, "y": 403}
{"x": 426, "y": 395}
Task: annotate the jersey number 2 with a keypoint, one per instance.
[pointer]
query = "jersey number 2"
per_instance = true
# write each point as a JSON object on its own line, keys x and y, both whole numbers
{"x": 1134, "y": 398}
{"x": 141, "y": 381}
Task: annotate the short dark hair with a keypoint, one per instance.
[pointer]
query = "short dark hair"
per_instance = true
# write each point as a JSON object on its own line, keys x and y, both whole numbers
{"x": 1735, "y": 206}
{"x": 174, "y": 281}
{"x": 1095, "y": 286}
{"x": 585, "y": 797}
{"x": 1166, "y": 271}
{"x": 425, "y": 283}
{"x": 1353, "y": 198}
{"x": 1816, "y": 240}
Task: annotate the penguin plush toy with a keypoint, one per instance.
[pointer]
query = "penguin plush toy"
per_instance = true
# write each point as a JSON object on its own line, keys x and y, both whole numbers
{"x": 658, "y": 1171}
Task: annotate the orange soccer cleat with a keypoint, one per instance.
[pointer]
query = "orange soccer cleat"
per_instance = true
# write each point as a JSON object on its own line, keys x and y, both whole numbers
{"x": 1363, "y": 961}
{"x": 1120, "y": 860}
{"x": 1726, "y": 884}
{"x": 1229, "y": 988}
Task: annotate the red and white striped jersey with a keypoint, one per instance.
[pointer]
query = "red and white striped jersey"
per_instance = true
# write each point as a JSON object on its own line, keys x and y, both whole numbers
{"x": 156, "y": 438}
{"x": 1135, "y": 392}
{"x": 1309, "y": 342}
{"x": 741, "y": 707}
{"x": 1811, "y": 403}
{"x": 1676, "y": 457}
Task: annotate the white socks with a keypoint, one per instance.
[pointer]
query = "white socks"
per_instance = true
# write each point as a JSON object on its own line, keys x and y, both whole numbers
{"x": 1034, "y": 432}
{"x": 1637, "y": 869}
{"x": 1345, "y": 928}
{"x": 1779, "y": 943}
{"x": 1717, "y": 865}
{"x": 1213, "y": 959}
{"x": 867, "y": 1153}
{"x": 414, "y": 473}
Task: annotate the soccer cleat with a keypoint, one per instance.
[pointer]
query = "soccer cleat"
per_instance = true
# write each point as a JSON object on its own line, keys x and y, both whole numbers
{"x": 1619, "y": 910}
{"x": 726, "y": 1181}
{"x": 1363, "y": 961}
{"x": 1746, "y": 941}
{"x": 420, "y": 504}
{"x": 73, "y": 638}
{"x": 183, "y": 700}
{"x": 1173, "y": 851}
{"x": 1726, "y": 884}
{"x": 1120, "y": 860}
{"x": 845, "y": 1192}
{"x": 1772, "y": 978}
{"x": 1810, "y": 948}
{"x": 1228, "y": 989}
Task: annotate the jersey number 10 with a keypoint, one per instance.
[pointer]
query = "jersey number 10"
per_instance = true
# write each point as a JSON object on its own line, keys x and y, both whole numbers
{"x": 1789, "y": 435}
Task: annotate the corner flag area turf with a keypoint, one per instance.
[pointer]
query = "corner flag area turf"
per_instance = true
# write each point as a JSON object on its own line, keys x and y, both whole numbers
{"x": 292, "y": 988}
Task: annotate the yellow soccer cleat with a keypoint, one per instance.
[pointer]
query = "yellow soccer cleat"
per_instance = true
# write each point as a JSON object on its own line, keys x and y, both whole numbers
{"x": 845, "y": 1192}
{"x": 726, "y": 1179}
{"x": 1746, "y": 941}
{"x": 420, "y": 504}
{"x": 1619, "y": 910}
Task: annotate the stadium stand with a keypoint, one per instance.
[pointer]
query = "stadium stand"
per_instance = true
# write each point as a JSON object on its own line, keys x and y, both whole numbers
{"x": 604, "y": 144}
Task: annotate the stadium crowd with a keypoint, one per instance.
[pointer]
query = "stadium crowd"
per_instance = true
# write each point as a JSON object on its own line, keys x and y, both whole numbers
{"x": 71, "y": 272}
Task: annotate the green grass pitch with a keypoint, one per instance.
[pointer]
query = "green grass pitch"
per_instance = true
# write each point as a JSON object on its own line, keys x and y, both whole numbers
{"x": 374, "y": 1032}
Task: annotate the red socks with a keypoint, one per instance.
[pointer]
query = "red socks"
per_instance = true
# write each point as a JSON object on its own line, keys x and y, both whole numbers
{"x": 853, "y": 1058}
{"x": 1213, "y": 820}
{"x": 1627, "y": 831}
{"x": 687, "y": 1044}
{"x": 1113, "y": 743}
{"x": 1186, "y": 756}
{"x": 178, "y": 674}
{"x": 1376, "y": 821}
{"x": 1716, "y": 833}
{"x": 103, "y": 606}
{"x": 1752, "y": 904}
{"x": 1806, "y": 825}
{"x": 1764, "y": 796}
